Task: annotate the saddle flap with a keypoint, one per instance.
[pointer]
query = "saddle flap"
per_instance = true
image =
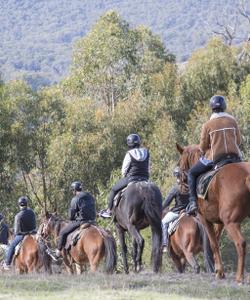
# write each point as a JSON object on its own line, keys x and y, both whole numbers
{"x": 74, "y": 236}
{"x": 203, "y": 183}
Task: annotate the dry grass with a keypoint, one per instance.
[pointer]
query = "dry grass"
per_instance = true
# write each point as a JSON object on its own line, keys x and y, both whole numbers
{"x": 143, "y": 286}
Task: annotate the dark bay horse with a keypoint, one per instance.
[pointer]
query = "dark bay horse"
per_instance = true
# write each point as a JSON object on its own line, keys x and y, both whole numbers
{"x": 32, "y": 256}
{"x": 140, "y": 206}
{"x": 228, "y": 205}
{"x": 94, "y": 244}
{"x": 188, "y": 240}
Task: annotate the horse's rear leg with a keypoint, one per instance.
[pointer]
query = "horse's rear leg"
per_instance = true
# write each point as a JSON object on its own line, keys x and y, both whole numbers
{"x": 192, "y": 261}
{"x": 219, "y": 271}
{"x": 177, "y": 260}
{"x": 121, "y": 236}
{"x": 139, "y": 241}
{"x": 234, "y": 231}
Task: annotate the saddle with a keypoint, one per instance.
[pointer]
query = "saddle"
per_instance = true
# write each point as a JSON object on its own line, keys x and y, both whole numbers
{"x": 204, "y": 180}
{"x": 75, "y": 236}
{"x": 174, "y": 224}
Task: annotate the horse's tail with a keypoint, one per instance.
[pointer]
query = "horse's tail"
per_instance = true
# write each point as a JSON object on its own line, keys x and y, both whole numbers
{"x": 152, "y": 204}
{"x": 208, "y": 254}
{"x": 43, "y": 256}
{"x": 110, "y": 251}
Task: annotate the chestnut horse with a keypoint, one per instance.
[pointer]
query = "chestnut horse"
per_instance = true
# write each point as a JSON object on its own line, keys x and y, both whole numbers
{"x": 228, "y": 205}
{"x": 32, "y": 256}
{"x": 94, "y": 244}
{"x": 188, "y": 240}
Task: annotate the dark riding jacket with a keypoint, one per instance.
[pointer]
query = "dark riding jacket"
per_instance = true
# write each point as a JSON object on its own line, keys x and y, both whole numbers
{"x": 4, "y": 233}
{"x": 82, "y": 208}
{"x": 181, "y": 199}
{"x": 136, "y": 164}
{"x": 25, "y": 222}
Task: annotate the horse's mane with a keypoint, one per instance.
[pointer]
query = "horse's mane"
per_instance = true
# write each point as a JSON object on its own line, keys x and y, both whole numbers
{"x": 190, "y": 156}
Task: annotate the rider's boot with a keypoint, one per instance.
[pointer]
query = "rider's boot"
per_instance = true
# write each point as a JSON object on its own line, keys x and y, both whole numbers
{"x": 106, "y": 213}
{"x": 5, "y": 267}
{"x": 165, "y": 237}
{"x": 192, "y": 206}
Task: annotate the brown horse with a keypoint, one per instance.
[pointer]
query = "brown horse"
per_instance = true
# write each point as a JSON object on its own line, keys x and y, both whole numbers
{"x": 228, "y": 205}
{"x": 32, "y": 256}
{"x": 188, "y": 240}
{"x": 94, "y": 244}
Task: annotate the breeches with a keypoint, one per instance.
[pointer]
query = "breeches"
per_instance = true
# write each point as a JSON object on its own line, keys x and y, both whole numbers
{"x": 169, "y": 217}
{"x": 65, "y": 232}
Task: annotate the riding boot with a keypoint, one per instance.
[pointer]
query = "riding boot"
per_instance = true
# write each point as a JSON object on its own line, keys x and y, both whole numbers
{"x": 192, "y": 206}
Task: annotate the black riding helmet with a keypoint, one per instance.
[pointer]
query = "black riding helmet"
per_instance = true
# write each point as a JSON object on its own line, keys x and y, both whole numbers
{"x": 218, "y": 102}
{"x": 76, "y": 186}
{"x": 133, "y": 140}
{"x": 23, "y": 201}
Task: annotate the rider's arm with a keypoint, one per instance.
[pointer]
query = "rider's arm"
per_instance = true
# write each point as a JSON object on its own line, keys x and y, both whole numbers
{"x": 17, "y": 228}
{"x": 170, "y": 197}
{"x": 126, "y": 164}
{"x": 204, "y": 140}
{"x": 73, "y": 209}
{"x": 238, "y": 135}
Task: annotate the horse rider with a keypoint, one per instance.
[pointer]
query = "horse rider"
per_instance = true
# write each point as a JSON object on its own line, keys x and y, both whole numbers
{"x": 135, "y": 167}
{"x": 220, "y": 139}
{"x": 4, "y": 231}
{"x": 25, "y": 223}
{"x": 82, "y": 210}
{"x": 179, "y": 193}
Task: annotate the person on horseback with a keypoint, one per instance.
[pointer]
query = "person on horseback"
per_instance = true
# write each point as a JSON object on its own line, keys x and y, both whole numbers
{"x": 82, "y": 210}
{"x": 135, "y": 167}
{"x": 220, "y": 139}
{"x": 25, "y": 223}
{"x": 4, "y": 231}
{"x": 179, "y": 193}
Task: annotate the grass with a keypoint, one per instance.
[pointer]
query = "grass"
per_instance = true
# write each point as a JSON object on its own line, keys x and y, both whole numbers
{"x": 144, "y": 286}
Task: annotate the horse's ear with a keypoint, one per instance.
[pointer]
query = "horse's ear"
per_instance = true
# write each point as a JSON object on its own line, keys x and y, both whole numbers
{"x": 179, "y": 148}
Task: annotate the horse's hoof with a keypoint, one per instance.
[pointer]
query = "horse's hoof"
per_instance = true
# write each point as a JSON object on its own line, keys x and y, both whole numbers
{"x": 220, "y": 275}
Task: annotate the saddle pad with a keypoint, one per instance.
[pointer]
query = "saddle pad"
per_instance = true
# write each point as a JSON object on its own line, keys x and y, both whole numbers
{"x": 174, "y": 224}
{"x": 203, "y": 183}
{"x": 74, "y": 236}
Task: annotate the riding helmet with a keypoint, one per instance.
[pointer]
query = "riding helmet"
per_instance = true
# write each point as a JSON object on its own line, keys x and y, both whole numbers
{"x": 76, "y": 186}
{"x": 177, "y": 172}
{"x": 23, "y": 201}
{"x": 133, "y": 140}
{"x": 218, "y": 102}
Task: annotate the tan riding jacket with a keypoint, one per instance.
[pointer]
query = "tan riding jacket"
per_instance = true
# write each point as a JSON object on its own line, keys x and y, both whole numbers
{"x": 220, "y": 135}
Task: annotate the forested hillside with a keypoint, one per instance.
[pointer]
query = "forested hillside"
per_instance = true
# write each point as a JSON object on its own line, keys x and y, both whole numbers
{"x": 37, "y": 36}
{"x": 122, "y": 80}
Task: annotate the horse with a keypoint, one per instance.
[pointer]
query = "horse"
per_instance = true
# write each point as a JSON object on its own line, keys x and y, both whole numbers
{"x": 227, "y": 205}
{"x": 188, "y": 240}
{"x": 140, "y": 206}
{"x": 94, "y": 244}
{"x": 32, "y": 256}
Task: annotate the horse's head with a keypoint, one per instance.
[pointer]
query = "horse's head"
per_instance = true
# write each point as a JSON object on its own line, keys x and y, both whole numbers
{"x": 48, "y": 224}
{"x": 189, "y": 156}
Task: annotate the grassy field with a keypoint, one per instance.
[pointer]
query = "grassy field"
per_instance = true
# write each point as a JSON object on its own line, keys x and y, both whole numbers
{"x": 145, "y": 286}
